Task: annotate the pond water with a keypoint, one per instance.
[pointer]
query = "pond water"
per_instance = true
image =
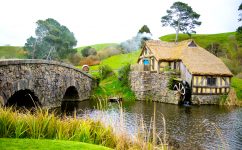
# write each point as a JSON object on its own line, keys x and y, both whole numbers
{"x": 193, "y": 127}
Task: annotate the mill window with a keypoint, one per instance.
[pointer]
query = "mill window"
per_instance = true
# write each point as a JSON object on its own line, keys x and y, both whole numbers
{"x": 211, "y": 81}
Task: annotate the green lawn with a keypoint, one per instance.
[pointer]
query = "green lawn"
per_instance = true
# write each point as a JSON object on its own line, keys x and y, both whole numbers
{"x": 237, "y": 85}
{"x": 12, "y": 52}
{"x": 98, "y": 47}
{"x": 44, "y": 144}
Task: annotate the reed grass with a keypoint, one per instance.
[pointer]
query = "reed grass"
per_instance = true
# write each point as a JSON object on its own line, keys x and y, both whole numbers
{"x": 145, "y": 138}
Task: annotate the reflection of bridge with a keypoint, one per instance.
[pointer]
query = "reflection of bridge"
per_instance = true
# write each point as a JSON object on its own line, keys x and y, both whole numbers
{"x": 47, "y": 83}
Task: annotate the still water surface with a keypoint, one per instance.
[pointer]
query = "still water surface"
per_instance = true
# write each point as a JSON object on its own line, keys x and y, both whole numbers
{"x": 193, "y": 127}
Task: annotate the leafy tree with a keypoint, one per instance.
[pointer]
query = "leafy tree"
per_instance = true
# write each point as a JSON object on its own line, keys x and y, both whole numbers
{"x": 87, "y": 51}
{"x": 52, "y": 41}
{"x": 181, "y": 17}
{"x": 240, "y": 15}
{"x": 239, "y": 29}
{"x": 144, "y": 29}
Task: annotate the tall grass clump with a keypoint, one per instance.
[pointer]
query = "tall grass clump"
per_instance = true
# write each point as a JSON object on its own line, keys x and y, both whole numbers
{"x": 123, "y": 74}
{"x": 44, "y": 125}
{"x": 105, "y": 71}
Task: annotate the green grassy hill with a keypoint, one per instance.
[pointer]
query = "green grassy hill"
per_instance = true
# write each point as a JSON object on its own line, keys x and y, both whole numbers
{"x": 98, "y": 47}
{"x": 12, "y": 52}
{"x": 117, "y": 61}
{"x": 203, "y": 39}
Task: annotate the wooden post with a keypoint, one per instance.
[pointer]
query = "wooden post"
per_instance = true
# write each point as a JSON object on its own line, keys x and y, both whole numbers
{"x": 158, "y": 66}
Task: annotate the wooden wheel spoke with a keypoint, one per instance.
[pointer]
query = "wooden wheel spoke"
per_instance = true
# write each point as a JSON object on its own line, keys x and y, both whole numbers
{"x": 175, "y": 87}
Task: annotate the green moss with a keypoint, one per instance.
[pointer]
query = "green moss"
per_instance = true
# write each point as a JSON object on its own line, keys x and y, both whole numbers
{"x": 25, "y": 144}
{"x": 237, "y": 85}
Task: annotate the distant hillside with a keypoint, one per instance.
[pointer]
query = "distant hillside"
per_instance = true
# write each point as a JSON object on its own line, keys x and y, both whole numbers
{"x": 205, "y": 39}
{"x": 12, "y": 52}
{"x": 98, "y": 47}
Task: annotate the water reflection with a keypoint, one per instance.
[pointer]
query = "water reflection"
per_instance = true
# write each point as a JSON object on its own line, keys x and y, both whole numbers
{"x": 194, "y": 127}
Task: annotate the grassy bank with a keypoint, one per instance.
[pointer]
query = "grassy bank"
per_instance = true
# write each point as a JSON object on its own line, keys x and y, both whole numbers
{"x": 40, "y": 144}
{"x": 236, "y": 83}
{"x": 111, "y": 86}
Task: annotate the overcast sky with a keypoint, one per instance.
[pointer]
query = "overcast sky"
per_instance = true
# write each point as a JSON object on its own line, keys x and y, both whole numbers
{"x": 107, "y": 21}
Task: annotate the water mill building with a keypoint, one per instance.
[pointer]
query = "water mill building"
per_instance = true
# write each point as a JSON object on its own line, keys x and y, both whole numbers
{"x": 174, "y": 72}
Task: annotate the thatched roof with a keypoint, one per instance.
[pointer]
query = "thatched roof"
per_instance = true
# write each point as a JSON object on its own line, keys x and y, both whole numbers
{"x": 197, "y": 60}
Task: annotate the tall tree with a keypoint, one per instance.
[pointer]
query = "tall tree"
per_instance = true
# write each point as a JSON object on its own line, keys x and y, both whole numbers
{"x": 239, "y": 29}
{"x": 53, "y": 41}
{"x": 145, "y": 29}
{"x": 240, "y": 15}
{"x": 182, "y": 18}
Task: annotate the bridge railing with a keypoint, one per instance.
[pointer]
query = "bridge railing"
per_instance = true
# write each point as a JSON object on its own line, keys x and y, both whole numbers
{"x": 5, "y": 62}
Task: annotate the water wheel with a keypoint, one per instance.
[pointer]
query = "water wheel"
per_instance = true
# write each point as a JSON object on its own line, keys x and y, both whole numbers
{"x": 180, "y": 88}
{"x": 183, "y": 89}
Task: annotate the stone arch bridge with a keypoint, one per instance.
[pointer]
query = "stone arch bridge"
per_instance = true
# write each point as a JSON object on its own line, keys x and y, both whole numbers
{"x": 43, "y": 82}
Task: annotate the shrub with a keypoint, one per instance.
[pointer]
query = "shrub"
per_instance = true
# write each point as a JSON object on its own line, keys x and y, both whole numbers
{"x": 123, "y": 74}
{"x": 87, "y": 51}
{"x": 239, "y": 75}
{"x": 75, "y": 59}
{"x": 105, "y": 71}
{"x": 171, "y": 82}
{"x": 108, "y": 52}
{"x": 90, "y": 60}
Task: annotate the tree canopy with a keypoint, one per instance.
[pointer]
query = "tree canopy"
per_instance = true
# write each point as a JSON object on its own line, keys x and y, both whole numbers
{"x": 240, "y": 15}
{"x": 52, "y": 41}
{"x": 239, "y": 29}
{"x": 182, "y": 18}
{"x": 145, "y": 29}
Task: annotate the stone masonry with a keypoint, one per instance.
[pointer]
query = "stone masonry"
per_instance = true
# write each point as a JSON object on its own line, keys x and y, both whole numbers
{"x": 152, "y": 86}
{"x": 49, "y": 80}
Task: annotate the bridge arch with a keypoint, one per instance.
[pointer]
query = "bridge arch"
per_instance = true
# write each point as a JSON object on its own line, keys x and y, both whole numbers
{"x": 69, "y": 100}
{"x": 23, "y": 98}
{"x": 71, "y": 94}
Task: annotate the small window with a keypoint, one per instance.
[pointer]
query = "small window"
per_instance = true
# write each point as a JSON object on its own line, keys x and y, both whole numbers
{"x": 211, "y": 81}
{"x": 146, "y": 62}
